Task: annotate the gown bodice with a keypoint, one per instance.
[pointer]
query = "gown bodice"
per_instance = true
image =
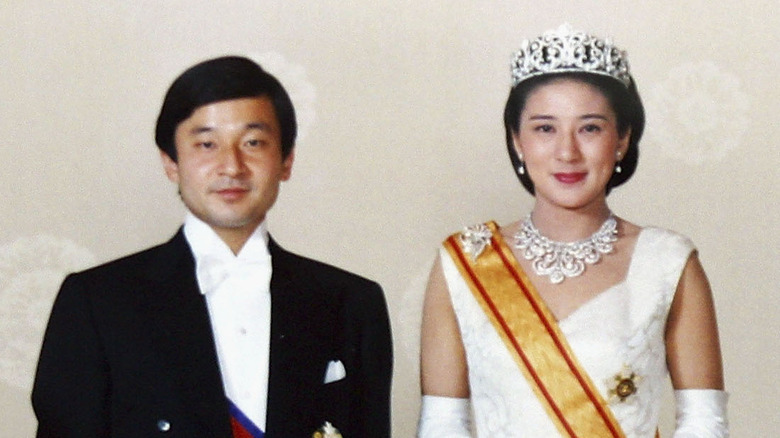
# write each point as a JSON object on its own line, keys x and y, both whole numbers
{"x": 618, "y": 333}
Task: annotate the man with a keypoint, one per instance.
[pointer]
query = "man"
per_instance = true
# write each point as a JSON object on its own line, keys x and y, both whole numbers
{"x": 218, "y": 332}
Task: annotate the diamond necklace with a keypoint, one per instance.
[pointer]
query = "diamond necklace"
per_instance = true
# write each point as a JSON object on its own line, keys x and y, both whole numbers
{"x": 559, "y": 260}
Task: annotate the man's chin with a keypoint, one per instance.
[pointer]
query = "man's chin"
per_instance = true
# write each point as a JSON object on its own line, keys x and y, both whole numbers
{"x": 233, "y": 223}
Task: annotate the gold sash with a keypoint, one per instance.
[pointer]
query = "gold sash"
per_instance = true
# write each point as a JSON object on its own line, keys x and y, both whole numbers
{"x": 534, "y": 339}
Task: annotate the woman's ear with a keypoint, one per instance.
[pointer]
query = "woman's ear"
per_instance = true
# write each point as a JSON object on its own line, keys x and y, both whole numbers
{"x": 622, "y": 147}
{"x": 517, "y": 145}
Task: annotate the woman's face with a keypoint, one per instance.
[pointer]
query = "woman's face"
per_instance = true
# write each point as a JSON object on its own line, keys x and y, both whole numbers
{"x": 569, "y": 142}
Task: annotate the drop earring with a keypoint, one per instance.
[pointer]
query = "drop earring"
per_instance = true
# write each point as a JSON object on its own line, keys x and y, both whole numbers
{"x": 521, "y": 167}
{"x": 618, "y": 169}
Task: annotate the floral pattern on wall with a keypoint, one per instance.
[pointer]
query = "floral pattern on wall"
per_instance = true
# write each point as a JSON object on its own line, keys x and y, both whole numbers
{"x": 698, "y": 114}
{"x": 293, "y": 77}
{"x": 31, "y": 270}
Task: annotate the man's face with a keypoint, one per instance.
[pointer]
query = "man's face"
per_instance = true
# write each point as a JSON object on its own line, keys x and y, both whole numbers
{"x": 230, "y": 165}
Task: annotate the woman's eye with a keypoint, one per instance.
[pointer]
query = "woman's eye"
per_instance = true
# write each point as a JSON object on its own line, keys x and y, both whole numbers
{"x": 206, "y": 144}
{"x": 253, "y": 142}
{"x": 544, "y": 128}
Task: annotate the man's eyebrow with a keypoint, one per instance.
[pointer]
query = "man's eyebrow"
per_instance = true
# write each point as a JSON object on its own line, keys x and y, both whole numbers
{"x": 263, "y": 126}
{"x": 201, "y": 129}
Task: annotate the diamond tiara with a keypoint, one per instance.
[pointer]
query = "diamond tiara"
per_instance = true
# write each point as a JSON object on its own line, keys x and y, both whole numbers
{"x": 563, "y": 50}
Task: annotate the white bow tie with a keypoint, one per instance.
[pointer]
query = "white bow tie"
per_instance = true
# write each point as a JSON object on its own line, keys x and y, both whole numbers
{"x": 213, "y": 271}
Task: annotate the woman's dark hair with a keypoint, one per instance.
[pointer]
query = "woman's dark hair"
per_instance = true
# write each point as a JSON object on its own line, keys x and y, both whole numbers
{"x": 625, "y": 102}
{"x": 215, "y": 80}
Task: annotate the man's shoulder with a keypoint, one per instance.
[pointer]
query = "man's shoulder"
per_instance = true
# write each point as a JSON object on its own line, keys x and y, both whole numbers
{"x": 140, "y": 260}
{"x": 335, "y": 287}
{"x": 319, "y": 271}
{"x": 328, "y": 270}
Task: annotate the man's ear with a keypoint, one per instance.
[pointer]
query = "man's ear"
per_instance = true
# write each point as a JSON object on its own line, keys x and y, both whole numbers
{"x": 287, "y": 164}
{"x": 170, "y": 167}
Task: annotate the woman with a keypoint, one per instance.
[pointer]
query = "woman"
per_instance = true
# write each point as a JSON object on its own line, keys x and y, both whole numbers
{"x": 566, "y": 323}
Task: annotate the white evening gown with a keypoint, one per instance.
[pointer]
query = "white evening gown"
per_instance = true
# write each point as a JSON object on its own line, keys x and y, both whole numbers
{"x": 620, "y": 331}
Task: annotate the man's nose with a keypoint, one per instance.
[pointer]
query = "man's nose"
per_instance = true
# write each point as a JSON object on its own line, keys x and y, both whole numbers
{"x": 232, "y": 160}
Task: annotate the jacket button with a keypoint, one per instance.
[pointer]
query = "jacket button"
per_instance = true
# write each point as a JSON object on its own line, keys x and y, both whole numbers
{"x": 163, "y": 426}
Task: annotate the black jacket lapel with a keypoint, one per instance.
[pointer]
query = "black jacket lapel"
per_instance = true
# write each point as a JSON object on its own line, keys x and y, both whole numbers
{"x": 302, "y": 326}
{"x": 181, "y": 332}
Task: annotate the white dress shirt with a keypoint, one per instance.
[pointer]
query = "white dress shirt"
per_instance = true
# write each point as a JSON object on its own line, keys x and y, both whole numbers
{"x": 237, "y": 291}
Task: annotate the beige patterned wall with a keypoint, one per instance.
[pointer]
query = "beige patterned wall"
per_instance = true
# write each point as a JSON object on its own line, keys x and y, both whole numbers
{"x": 400, "y": 104}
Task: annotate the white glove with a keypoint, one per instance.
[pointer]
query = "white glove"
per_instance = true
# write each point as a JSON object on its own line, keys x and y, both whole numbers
{"x": 701, "y": 413}
{"x": 444, "y": 417}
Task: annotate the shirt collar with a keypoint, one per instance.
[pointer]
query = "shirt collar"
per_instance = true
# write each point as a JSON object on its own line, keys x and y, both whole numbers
{"x": 204, "y": 241}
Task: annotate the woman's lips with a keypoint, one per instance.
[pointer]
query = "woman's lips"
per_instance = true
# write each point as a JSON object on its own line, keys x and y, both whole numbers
{"x": 570, "y": 177}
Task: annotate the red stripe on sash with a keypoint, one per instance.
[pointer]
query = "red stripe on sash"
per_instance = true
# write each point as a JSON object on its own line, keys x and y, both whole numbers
{"x": 572, "y": 366}
{"x": 547, "y": 326}
{"x": 238, "y": 429}
{"x": 241, "y": 425}
{"x": 475, "y": 281}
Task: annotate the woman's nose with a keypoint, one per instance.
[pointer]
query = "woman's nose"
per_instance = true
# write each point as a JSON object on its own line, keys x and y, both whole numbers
{"x": 568, "y": 148}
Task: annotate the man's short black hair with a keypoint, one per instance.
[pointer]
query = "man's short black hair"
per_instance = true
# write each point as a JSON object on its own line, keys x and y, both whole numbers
{"x": 216, "y": 80}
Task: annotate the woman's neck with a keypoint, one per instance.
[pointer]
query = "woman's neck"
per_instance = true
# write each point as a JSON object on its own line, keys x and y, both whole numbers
{"x": 569, "y": 225}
